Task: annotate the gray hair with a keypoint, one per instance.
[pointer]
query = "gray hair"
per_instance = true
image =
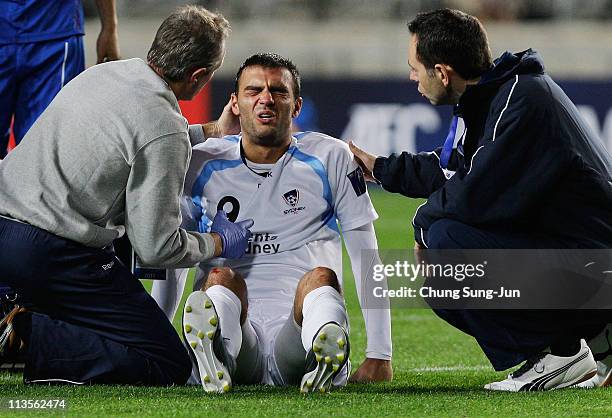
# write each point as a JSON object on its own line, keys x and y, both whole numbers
{"x": 191, "y": 37}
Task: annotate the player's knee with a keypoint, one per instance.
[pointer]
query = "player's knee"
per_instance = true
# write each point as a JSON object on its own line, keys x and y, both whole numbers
{"x": 226, "y": 277}
{"x": 319, "y": 277}
{"x": 223, "y": 276}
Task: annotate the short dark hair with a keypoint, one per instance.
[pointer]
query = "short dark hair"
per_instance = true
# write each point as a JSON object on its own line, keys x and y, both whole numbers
{"x": 451, "y": 37}
{"x": 191, "y": 37}
{"x": 270, "y": 60}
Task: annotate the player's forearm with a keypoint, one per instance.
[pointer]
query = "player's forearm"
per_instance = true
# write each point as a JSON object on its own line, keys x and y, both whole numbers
{"x": 377, "y": 319}
{"x": 108, "y": 14}
{"x": 378, "y": 332}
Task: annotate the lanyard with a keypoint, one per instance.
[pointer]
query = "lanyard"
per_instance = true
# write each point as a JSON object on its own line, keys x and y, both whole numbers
{"x": 447, "y": 148}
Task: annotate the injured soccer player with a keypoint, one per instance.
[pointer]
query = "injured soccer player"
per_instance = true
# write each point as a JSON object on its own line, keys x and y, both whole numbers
{"x": 277, "y": 314}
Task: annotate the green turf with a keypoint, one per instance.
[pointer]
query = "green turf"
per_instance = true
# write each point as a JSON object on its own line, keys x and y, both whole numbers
{"x": 421, "y": 342}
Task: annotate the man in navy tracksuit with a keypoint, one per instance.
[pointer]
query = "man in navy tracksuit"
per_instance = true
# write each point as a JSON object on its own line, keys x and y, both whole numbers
{"x": 520, "y": 169}
{"x": 41, "y": 49}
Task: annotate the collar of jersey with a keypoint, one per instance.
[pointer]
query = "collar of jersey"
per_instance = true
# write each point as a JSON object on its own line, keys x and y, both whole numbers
{"x": 288, "y": 153}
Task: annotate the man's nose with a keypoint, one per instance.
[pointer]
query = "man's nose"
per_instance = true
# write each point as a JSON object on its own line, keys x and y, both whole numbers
{"x": 266, "y": 97}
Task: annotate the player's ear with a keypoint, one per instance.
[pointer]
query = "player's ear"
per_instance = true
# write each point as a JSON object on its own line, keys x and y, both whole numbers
{"x": 234, "y": 100}
{"x": 297, "y": 107}
{"x": 443, "y": 73}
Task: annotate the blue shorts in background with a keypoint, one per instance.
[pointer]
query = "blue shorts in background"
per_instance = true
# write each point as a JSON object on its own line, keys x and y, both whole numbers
{"x": 31, "y": 74}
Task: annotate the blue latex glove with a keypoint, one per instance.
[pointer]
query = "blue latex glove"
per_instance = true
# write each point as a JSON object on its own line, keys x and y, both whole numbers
{"x": 203, "y": 221}
{"x": 234, "y": 236}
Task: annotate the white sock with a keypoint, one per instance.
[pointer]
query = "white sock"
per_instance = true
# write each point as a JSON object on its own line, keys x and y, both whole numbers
{"x": 322, "y": 305}
{"x": 228, "y": 308}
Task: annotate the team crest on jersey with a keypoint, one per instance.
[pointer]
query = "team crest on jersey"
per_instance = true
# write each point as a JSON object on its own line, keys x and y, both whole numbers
{"x": 292, "y": 198}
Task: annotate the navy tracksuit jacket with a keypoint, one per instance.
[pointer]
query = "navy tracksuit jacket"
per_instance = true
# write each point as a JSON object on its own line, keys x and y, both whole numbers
{"x": 522, "y": 170}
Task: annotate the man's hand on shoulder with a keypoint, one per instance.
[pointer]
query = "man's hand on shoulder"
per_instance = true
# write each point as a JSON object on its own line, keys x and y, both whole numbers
{"x": 227, "y": 124}
{"x": 365, "y": 160}
{"x": 373, "y": 370}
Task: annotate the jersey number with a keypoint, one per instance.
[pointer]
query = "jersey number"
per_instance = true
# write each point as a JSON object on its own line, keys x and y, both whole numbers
{"x": 232, "y": 214}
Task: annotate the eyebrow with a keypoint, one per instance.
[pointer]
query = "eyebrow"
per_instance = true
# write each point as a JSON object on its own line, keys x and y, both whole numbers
{"x": 281, "y": 89}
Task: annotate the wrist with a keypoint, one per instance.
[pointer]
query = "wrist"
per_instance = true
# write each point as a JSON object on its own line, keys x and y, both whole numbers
{"x": 373, "y": 355}
{"x": 108, "y": 26}
{"x": 378, "y": 360}
{"x": 218, "y": 243}
{"x": 379, "y": 166}
{"x": 211, "y": 130}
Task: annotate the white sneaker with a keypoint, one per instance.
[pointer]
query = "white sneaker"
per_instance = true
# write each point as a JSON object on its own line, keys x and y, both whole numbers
{"x": 601, "y": 345}
{"x": 203, "y": 335}
{"x": 329, "y": 354}
{"x": 546, "y": 372}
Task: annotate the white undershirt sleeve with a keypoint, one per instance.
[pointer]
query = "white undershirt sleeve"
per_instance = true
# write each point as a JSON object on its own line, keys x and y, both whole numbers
{"x": 167, "y": 293}
{"x": 377, "y": 321}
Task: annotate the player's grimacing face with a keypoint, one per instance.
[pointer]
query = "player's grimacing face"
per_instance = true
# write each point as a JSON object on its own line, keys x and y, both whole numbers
{"x": 265, "y": 104}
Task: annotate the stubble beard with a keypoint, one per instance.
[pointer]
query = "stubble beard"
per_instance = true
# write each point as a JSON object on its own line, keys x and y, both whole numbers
{"x": 271, "y": 136}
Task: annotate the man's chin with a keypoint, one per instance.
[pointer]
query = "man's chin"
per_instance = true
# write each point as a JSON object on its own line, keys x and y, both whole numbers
{"x": 269, "y": 139}
{"x": 266, "y": 132}
{"x": 441, "y": 101}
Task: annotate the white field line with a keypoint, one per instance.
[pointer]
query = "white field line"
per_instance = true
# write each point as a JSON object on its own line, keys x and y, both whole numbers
{"x": 450, "y": 369}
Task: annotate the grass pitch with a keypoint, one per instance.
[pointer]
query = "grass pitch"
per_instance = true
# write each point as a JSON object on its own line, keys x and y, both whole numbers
{"x": 438, "y": 372}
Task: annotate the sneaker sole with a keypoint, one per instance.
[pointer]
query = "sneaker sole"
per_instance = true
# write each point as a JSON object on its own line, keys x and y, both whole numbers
{"x": 200, "y": 328}
{"x": 578, "y": 381}
{"x": 331, "y": 350}
{"x": 590, "y": 384}
{"x": 608, "y": 381}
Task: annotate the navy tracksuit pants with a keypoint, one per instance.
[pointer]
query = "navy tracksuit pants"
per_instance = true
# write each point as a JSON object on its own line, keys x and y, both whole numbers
{"x": 509, "y": 337}
{"x": 93, "y": 321}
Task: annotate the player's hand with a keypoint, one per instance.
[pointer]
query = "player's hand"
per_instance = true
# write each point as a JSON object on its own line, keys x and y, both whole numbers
{"x": 234, "y": 236}
{"x": 227, "y": 124}
{"x": 373, "y": 370}
{"x": 365, "y": 160}
{"x": 107, "y": 46}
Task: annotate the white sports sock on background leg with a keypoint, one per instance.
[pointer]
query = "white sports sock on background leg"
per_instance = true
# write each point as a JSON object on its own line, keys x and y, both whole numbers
{"x": 322, "y": 305}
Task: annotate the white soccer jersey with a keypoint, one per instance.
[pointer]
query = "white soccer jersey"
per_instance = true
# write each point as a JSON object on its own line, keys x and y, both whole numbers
{"x": 314, "y": 186}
